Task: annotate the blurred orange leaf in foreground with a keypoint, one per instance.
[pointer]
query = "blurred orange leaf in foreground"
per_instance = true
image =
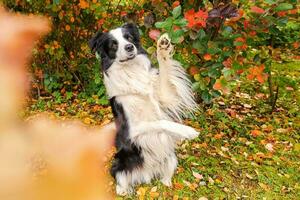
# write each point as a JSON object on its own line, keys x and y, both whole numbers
{"x": 42, "y": 158}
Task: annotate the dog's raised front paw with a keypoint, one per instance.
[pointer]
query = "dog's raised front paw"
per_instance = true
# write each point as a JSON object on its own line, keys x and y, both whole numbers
{"x": 164, "y": 47}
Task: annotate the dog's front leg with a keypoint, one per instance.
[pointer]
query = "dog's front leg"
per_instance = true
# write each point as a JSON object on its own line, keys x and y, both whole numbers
{"x": 172, "y": 128}
{"x": 164, "y": 57}
{"x": 173, "y": 85}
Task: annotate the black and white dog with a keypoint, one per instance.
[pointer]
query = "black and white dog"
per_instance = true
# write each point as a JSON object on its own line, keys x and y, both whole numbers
{"x": 147, "y": 103}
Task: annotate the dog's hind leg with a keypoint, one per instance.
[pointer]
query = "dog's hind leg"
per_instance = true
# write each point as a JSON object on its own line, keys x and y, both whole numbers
{"x": 168, "y": 171}
{"x": 173, "y": 86}
{"x": 172, "y": 128}
{"x": 123, "y": 181}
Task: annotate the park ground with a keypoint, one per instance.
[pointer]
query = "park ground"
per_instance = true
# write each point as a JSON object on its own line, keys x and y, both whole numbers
{"x": 244, "y": 151}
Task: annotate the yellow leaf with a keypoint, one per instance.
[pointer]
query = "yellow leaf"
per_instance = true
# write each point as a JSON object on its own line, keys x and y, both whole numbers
{"x": 141, "y": 192}
{"x": 175, "y": 197}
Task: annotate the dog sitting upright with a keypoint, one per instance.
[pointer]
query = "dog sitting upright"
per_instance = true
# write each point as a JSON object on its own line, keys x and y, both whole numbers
{"x": 147, "y": 103}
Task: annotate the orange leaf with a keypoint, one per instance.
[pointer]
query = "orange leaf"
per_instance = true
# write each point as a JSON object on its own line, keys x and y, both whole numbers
{"x": 255, "y": 133}
{"x": 68, "y": 28}
{"x": 207, "y": 57}
{"x": 178, "y": 186}
{"x": 218, "y": 136}
{"x": 83, "y": 4}
{"x": 217, "y": 85}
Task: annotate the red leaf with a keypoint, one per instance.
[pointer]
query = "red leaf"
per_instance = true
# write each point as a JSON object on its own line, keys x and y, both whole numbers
{"x": 282, "y": 13}
{"x": 193, "y": 70}
{"x": 227, "y": 63}
{"x": 175, "y": 4}
{"x": 123, "y": 13}
{"x": 246, "y": 24}
{"x": 258, "y": 10}
{"x": 154, "y": 34}
{"x": 194, "y": 51}
{"x": 196, "y": 19}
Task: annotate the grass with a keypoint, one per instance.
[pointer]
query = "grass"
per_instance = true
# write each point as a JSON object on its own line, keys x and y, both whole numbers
{"x": 243, "y": 151}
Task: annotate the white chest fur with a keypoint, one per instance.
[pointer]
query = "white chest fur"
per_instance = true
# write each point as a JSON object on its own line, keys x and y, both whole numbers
{"x": 131, "y": 77}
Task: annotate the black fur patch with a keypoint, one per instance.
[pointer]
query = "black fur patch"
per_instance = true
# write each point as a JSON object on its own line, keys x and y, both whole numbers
{"x": 128, "y": 156}
{"x": 106, "y": 46}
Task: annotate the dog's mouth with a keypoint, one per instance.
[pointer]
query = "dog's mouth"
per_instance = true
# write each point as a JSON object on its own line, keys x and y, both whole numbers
{"x": 130, "y": 57}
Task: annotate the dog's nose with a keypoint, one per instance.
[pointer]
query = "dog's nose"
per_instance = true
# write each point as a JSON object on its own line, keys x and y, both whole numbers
{"x": 129, "y": 47}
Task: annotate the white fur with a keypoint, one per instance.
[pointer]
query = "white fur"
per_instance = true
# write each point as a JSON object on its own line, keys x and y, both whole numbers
{"x": 151, "y": 102}
{"x": 121, "y": 53}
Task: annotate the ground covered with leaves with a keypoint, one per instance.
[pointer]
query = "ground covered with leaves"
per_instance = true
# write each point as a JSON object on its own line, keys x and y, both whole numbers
{"x": 244, "y": 151}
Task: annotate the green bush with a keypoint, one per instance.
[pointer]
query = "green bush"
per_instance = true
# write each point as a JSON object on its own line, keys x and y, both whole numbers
{"x": 216, "y": 41}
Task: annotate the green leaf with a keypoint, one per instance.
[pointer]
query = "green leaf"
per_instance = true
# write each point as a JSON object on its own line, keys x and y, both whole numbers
{"x": 103, "y": 101}
{"x": 159, "y": 24}
{"x": 227, "y": 31}
{"x": 214, "y": 73}
{"x": 206, "y": 97}
{"x": 69, "y": 95}
{"x": 227, "y": 72}
{"x": 176, "y": 12}
{"x": 195, "y": 86}
{"x": 201, "y": 34}
{"x": 167, "y": 24}
{"x": 213, "y": 50}
{"x": 216, "y": 93}
{"x": 238, "y": 43}
{"x": 176, "y": 36}
{"x": 256, "y": 58}
{"x": 180, "y": 22}
{"x": 283, "y": 6}
{"x": 270, "y": 2}
{"x": 56, "y": 2}
{"x": 151, "y": 50}
{"x": 199, "y": 45}
{"x": 236, "y": 66}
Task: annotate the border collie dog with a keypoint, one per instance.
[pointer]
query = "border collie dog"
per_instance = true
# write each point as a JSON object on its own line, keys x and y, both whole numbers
{"x": 147, "y": 104}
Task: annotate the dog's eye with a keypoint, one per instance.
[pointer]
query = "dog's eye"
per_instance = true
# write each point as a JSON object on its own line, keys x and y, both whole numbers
{"x": 114, "y": 45}
{"x": 129, "y": 38}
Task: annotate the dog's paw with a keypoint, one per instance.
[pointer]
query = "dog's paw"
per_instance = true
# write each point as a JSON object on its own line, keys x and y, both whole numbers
{"x": 164, "y": 47}
{"x": 167, "y": 182}
{"x": 191, "y": 133}
{"x": 122, "y": 191}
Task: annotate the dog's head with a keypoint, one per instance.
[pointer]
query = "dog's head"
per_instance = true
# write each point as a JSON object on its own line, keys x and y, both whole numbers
{"x": 118, "y": 45}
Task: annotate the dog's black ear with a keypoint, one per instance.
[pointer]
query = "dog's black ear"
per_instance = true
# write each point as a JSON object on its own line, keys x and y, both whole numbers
{"x": 133, "y": 30}
{"x": 96, "y": 41}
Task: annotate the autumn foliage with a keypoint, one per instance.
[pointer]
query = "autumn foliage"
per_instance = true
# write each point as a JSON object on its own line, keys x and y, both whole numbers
{"x": 212, "y": 37}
